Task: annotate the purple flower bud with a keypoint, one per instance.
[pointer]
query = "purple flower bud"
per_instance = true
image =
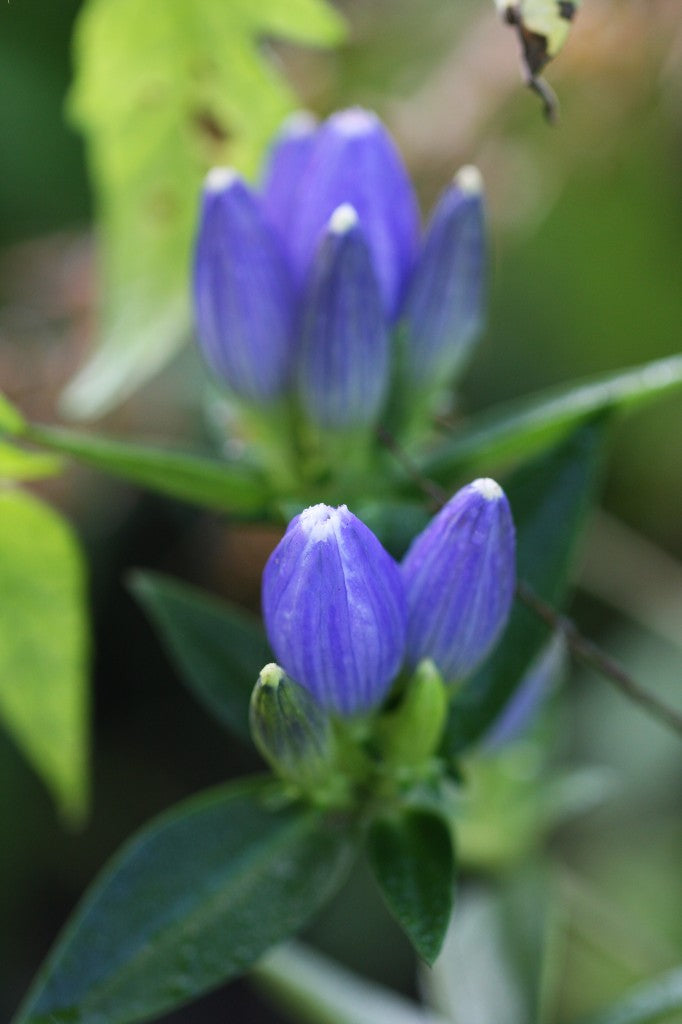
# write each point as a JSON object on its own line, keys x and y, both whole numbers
{"x": 459, "y": 577}
{"x": 443, "y": 307}
{"x": 334, "y": 609}
{"x": 289, "y": 158}
{"x": 443, "y": 310}
{"x": 243, "y": 292}
{"x": 343, "y": 364}
{"x": 354, "y": 161}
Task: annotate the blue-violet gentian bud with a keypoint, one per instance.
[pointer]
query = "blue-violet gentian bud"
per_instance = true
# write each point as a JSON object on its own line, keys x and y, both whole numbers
{"x": 243, "y": 291}
{"x": 335, "y": 610}
{"x": 459, "y": 577}
{"x": 443, "y": 309}
{"x": 343, "y": 363}
{"x": 289, "y": 158}
{"x": 354, "y": 160}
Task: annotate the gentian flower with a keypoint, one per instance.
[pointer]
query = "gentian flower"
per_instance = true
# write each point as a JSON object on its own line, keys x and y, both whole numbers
{"x": 278, "y": 285}
{"x": 335, "y": 610}
{"x": 459, "y": 576}
{"x": 343, "y": 618}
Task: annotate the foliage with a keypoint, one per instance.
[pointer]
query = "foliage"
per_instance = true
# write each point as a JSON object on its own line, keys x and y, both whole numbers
{"x": 44, "y": 646}
{"x": 162, "y": 92}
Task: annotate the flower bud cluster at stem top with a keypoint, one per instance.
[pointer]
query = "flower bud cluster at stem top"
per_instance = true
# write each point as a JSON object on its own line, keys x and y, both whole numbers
{"x": 343, "y": 617}
{"x": 298, "y": 288}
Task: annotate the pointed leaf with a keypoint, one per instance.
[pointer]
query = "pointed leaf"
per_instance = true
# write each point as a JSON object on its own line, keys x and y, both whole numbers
{"x": 44, "y": 646}
{"x": 190, "y": 902}
{"x": 163, "y": 91}
{"x": 526, "y": 427}
{"x": 651, "y": 1001}
{"x": 218, "y": 649}
{"x": 414, "y": 864}
{"x": 549, "y": 500}
{"x": 313, "y": 989}
{"x": 228, "y": 486}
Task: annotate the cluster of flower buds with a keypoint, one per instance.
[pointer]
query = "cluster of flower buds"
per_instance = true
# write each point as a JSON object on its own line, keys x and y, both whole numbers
{"x": 343, "y": 618}
{"x": 298, "y": 290}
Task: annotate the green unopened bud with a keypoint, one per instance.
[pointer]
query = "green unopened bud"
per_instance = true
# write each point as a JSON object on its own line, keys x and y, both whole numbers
{"x": 290, "y": 729}
{"x": 411, "y": 734}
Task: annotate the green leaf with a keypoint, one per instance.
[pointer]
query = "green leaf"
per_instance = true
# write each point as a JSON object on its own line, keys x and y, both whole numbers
{"x": 44, "y": 646}
{"x": 315, "y": 990}
{"x": 164, "y": 90}
{"x": 227, "y": 486}
{"x": 414, "y": 864}
{"x": 11, "y": 420}
{"x": 218, "y": 649}
{"x": 190, "y": 902}
{"x": 549, "y": 500}
{"x": 649, "y": 1002}
{"x": 17, "y": 464}
{"x": 526, "y": 427}
{"x": 495, "y": 963}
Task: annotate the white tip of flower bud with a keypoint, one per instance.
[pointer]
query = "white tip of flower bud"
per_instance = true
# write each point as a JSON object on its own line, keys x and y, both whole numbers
{"x": 343, "y": 219}
{"x": 354, "y": 121}
{"x": 271, "y": 675}
{"x": 488, "y": 489}
{"x": 219, "y": 179}
{"x": 469, "y": 180}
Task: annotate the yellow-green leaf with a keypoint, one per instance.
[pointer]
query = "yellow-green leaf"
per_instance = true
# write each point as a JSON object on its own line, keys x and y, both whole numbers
{"x": 17, "y": 464}
{"x": 11, "y": 420}
{"x": 44, "y": 646}
{"x": 164, "y": 90}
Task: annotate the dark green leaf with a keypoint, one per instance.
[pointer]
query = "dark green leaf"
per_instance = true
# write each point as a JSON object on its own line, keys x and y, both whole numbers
{"x": 649, "y": 1002}
{"x": 526, "y": 427}
{"x": 414, "y": 864}
{"x": 44, "y": 646}
{"x": 549, "y": 500}
{"x": 190, "y": 902}
{"x": 218, "y": 649}
{"x": 229, "y": 486}
{"x": 163, "y": 90}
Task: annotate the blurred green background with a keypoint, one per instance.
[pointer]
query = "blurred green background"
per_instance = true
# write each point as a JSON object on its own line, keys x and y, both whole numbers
{"x": 585, "y": 226}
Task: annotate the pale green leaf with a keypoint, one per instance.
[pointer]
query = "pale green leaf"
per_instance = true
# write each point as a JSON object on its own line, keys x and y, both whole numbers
{"x": 651, "y": 1001}
{"x": 229, "y": 486}
{"x": 44, "y": 646}
{"x": 315, "y": 990}
{"x": 531, "y": 424}
{"x": 164, "y": 90}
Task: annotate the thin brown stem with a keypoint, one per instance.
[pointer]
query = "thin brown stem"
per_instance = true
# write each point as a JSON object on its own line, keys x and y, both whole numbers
{"x": 432, "y": 491}
{"x": 590, "y": 654}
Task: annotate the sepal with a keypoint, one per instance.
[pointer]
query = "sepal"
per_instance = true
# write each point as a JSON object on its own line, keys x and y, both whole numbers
{"x": 411, "y": 734}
